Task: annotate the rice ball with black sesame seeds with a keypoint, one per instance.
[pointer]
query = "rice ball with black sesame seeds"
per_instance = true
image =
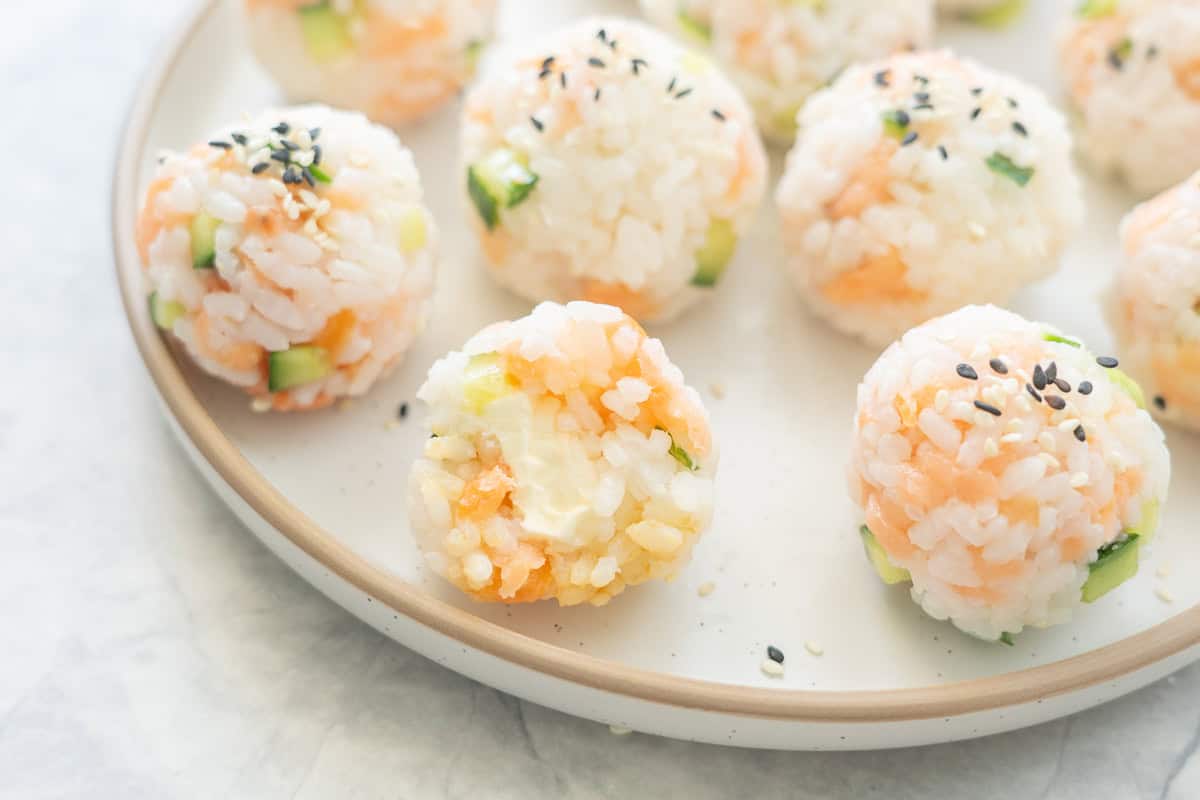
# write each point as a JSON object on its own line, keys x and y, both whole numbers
{"x": 1154, "y": 305}
{"x": 291, "y": 255}
{"x": 394, "y": 60}
{"x": 990, "y": 13}
{"x": 1004, "y": 470}
{"x": 1132, "y": 69}
{"x": 568, "y": 460}
{"x": 607, "y": 163}
{"x": 922, "y": 183}
{"x": 779, "y": 53}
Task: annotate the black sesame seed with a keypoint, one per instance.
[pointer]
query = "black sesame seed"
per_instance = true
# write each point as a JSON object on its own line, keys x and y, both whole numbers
{"x": 314, "y": 133}
{"x": 998, "y": 366}
{"x": 1039, "y": 377}
{"x": 637, "y": 64}
{"x": 308, "y": 177}
{"x": 1020, "y": 129}
{"x": 942, "y": 151}
{"x": 562, "y": 79}
{"x": 1151, "y": 52}
{"x": 403, "y": 411}
{"x": 220, "y": 144}
{"x": 923, "y": 107}
{"x": 1160, "y": 402}
{"x": 683, "y": 93}
{"x": 537, "y": 123}
{"x": 902, "y": 119}
{"x": 909, "y": 139}
{"x": 921, "y": 97}
{"x": 718, "y": 115}
{"x": 1080, "y": 433}
{"x": 883, "y": 78}
{"x": 596, "y": 96}
{"x": 1055, "y": 402}
{"x": 261, "y": 167}
{"x": 240, "y": 138}
{"x": 290, "y": 176}
{"x": 988, "y": 407}
{"x": 595, "y": 62}
{"x": 1012, "y": 102}
{"x": 671, "y": 85}
{"x": 545, "y": 73}
{"x": 1062, "y": 385}
{"x": 288, "y": 144}
{"x": 282, "y": 156}
{"x": 1114, "y": 60}
{"x": 978, "y": 90}
{"x": 1033, "y": 392}
{"x": 775, "y": 654}
{"x": 547, "y": 61}
{"x": 921, "y": 79}
{"x": 282, "y": 128}
{"x": 316, "y": 154}
{"x": 967, "y": 371}
{"x": 1052, "y": 372}
{"x": 612, "y": 45}
{"x": 976, "y": 112}
{"x": 602, "y": 35}
{"x": 1085, "y": 387}
{"x": 1108, "y": 362}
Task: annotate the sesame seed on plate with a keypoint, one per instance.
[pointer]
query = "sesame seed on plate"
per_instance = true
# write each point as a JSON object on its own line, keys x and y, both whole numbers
{"x": 772, "y": 669}
{"x": 706, "y": 588}
{"x": 1012, "y": 438}
{"x": 716, "y": 113}
{"x": 1164, "y": 594}
{"x": 814, "y": 647}
{"x": 775, "y": 654}
{"x": 619, "y": 730}
{"x": 1160, "y": 402}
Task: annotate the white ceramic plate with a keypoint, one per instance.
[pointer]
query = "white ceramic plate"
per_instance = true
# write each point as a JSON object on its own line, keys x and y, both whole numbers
{"x": 325, "y": 490}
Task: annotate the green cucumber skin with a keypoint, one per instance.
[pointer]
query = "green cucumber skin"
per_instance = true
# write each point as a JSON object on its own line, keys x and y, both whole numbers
{"x": 296, "y": 366}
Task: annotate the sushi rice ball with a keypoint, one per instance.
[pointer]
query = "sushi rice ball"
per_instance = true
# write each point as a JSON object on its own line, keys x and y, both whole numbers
{"x": 568, "y": 460}
{"x": 780, "y": 53}
{"x": 922, "y": 183}
{"x": 1004, "y": 470}
{"x": 394, "y": 60}
{"x": 291, "y": 255}
{"x": 1155, "y": 303}
{"x": 1132, "y": 69}
{"x": 606, "y": 163}
{"x": 991, "y": 13}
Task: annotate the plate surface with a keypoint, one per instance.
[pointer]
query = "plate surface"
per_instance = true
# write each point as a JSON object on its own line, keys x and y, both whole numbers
{"x": 326, "y": 490}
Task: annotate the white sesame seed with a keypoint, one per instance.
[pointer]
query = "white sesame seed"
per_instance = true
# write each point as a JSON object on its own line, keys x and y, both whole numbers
{"x": 1163, "y": 571}
{"x": 260, "y": 404}
{"x": 1079, "y": 480}
{"x": 717, "y": 389}
{"x": 941, "y": 400}
{"x": 619, "y": 730}
{"x": 1050, "y": 460}
{"x": 990, "y": 448}
{"x": 771, "y": 669}
{"x": 814, "y": 648}
{"x": 1164, "y": 594}
{"x": 706, "y": 588}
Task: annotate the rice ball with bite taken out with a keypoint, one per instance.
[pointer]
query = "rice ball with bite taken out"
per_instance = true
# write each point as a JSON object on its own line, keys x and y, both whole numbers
{"x": 922, "y": 183}
{"x": 394, "y": 60}
{"x": 1005, "y": 471}
{"x": 781, "y": 52}
{"x": 1132, "y": 69}
{"x": 568, "y": 460}
{"x": 606, "y": 163}
{"x": 1154, "y": 304}
{"x": 291, "y": 255}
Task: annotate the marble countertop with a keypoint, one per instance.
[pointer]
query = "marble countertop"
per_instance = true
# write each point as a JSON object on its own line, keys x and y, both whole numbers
{"x": 152, "y": 648}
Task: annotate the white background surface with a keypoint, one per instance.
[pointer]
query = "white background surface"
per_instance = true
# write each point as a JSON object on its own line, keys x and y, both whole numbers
{"x": 151, "y": 648}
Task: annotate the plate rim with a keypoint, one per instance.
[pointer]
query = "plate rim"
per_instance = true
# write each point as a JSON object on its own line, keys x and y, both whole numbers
{"x": 1070, "y": 675}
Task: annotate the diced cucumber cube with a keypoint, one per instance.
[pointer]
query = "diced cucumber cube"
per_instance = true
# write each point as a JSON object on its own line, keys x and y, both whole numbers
{"x": 296, "y": 366}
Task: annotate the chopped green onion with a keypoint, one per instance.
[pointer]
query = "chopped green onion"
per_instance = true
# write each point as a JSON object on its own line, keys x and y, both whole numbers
{"x": 1054, "y": 337}
{"x": 1007, "y": 638}
{"x": 320, "y": 174}
{"x": 1003, "y": 165}
{"x": 679, "y": 454}
{"x": 1094, "y": 9}
{"x": 895, "y": 123}
{"x": 999, "y": 15}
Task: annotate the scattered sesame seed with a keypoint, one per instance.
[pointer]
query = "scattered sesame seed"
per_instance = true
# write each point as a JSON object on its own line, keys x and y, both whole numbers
{"x": 921, "y": 97}
{"x": 544, "y": 74}
{"x": 967, "y": 371}
{"x": 706, "y": 588}
{"x": 988, "y": 408}
{"x": 1164, "y": 594}
{"x": 261, "y": 167}
{"x": 602, "y": 35}
{"x": 814, "y": 648}
{"x": 595, "y": 62}
{"x": 1046, "y": 441}
{"x": 942, "y": 152}
{"x": 637, "y": 64}
{"x": 683, "y": 93}
{"x": 619, "y": 730}
{"x": 1039, "y": 377}
{"x": 402, "y": 412}
{"x": 998, "y": 366}
{"x": 1080, "y": 433}
{"x": 282, "y": 128}
{"x": 1108, "y": 362}
{"x": 1055, "y": 402}
{"x": 1062, "y": 385}
{"x": 772, "y": 669}
{"x": 282, "y": 156}
{"x": 775, "y": 654}
{"x": 1079, "y": 480}
{"x": 921, "y": 79}
{"x": 1160, "y": 402}
{"x": 537, "y": 123}
{"x": 1151, "y": 52}
{"x": 240, "y": 138}
{"x": 220, "y": 144}
{"x": 671, "y": 85}
{"x": 596, "y": 95}
{"x": 978, "y": 90}
{"x": 1051, "y": 372}
{"x": 562, "y": 79}
{"x": 883, "y": 78}
{"x": 718, "y": 115}
{"x": 1020, "y": 129}
{"x": 1033, "y": 392}
{"x": 1085, "y": 387}
{"x": 1012, "y": 102}
{"x": 909, "y": 139}
{"x": 976, "y": 112}
{"x": 902, "y": 118}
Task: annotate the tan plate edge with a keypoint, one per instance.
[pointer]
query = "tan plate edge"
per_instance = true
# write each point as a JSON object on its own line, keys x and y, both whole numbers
{"x": 1029, "y": 685}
